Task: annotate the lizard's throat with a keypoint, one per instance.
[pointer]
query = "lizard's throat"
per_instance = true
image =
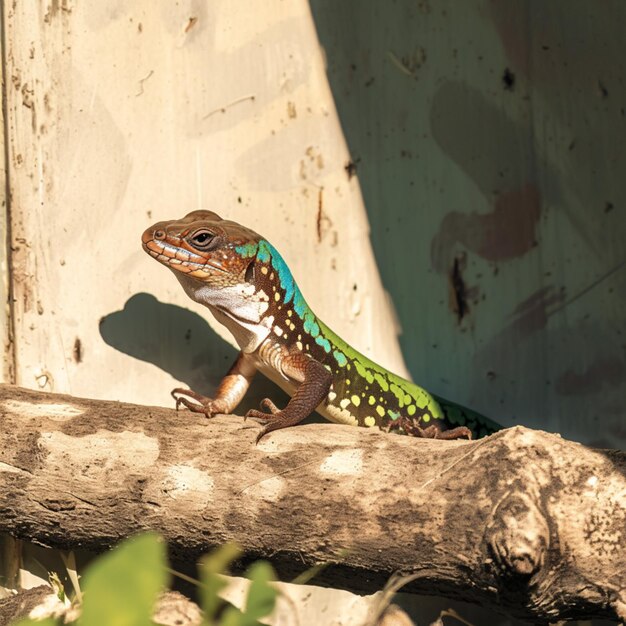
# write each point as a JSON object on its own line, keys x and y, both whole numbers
{"x": 241, "y": 308}
{"x": 241, "y": 301}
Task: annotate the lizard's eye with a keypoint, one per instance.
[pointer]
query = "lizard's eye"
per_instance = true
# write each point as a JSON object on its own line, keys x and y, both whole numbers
{"x": 202, "y": 239}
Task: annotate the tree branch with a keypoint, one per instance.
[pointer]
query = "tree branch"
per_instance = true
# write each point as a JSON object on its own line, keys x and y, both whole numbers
{"x": 523, "y": 521}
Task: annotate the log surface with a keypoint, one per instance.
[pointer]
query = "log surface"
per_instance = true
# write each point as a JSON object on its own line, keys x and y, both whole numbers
{"x": 522, "y": 521}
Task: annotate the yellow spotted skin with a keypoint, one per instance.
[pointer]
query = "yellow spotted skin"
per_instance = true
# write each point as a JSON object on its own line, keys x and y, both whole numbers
{"x": 363, "y": 393}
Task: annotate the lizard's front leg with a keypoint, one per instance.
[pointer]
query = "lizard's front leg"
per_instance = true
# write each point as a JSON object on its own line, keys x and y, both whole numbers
{"x": 315, "y": 381}
{"x": 229, "y": 392}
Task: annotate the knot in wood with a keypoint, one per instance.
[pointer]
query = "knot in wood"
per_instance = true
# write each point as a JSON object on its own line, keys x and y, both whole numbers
{"x": 518, "y": 536}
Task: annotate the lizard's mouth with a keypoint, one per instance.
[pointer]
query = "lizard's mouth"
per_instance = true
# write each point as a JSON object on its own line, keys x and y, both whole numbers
{"x": 177, "y": 258}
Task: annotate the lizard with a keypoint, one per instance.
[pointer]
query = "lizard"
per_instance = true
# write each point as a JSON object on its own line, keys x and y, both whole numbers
{"x": 248, "y": 287}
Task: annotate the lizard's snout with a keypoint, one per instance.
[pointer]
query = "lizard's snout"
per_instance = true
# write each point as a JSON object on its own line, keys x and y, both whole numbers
{"x": 147, "y": 235}
{"x": 152, "y": 233}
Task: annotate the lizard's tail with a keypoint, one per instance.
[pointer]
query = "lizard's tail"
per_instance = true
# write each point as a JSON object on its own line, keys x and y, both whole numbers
{"x": 458, "y": 415}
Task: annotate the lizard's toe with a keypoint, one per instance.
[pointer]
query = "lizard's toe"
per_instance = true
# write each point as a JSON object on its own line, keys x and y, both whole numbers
{"x": 266, "y": 403}
{"x": 188, "y": 404}
{"x": 255, "y": 414}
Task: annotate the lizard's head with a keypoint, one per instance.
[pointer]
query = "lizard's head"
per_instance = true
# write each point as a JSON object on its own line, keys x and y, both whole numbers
{"x": 204, "y": 247}
{"x": 228, "y": 268}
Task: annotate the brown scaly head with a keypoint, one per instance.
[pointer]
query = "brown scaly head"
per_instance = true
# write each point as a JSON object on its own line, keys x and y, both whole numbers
{"x": 203, "y": 246}
{"x": 214, "y": 261}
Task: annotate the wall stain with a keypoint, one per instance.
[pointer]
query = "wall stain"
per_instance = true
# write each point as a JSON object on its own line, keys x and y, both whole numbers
{"x": 532, "y": 314}
{"x": 609, "y": 370}
{"x": 507, "y": 18}
{"x": 508, "y": 232}
{"x": 508, "y": 80}
{"x": 323, "y": 223}
{"x": 459, "y": 293}
{"x": 350, "y": 167}
{"x": 77, "y": 351}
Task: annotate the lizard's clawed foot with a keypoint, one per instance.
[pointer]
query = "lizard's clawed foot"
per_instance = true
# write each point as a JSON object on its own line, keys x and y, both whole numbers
{"x": 202, "y": 404}
{"x": 275, "y": 419}
{"x": 433, "y": 432}
{"x": 460, "y": 432}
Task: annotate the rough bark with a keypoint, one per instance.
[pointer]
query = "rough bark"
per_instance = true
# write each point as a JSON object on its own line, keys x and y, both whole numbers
{"x": 523, "y": 521}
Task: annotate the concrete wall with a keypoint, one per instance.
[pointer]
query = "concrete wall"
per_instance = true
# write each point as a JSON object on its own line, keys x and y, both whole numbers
{"x": 484, "y": 136}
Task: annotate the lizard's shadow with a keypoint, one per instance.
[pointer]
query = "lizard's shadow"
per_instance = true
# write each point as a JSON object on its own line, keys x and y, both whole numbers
{"x": 181, "y": 343}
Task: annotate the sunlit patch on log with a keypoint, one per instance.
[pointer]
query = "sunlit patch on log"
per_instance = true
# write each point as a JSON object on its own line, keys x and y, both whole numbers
{"x": 58, "y": 412}
{"x": 345, "y": 462}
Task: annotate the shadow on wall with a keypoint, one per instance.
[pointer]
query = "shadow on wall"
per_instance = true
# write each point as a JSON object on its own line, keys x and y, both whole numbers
{"x": 447, "y": 174}
{"x": 180, "y": 343}
{"x": 487, "y": 151}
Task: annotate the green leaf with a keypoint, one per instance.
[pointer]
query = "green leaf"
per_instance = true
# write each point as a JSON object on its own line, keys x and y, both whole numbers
{"x": 121, "y": 587}
{"x": 232, "y": 616}
{"x": 261, "y": 595}
{"x": 211, "y": 568}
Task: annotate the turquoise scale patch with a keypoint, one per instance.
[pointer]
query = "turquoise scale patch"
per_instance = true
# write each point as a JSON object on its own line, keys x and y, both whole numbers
{"x": 310, "y": 325}
{"x": 263, "y": 254}
{"x": 340, "y": 357}
{"x": 322, "y": 341}
{"x": 299, "y": 305}
{"x": 285, "y": 277}
{"x": 248, "y": 250}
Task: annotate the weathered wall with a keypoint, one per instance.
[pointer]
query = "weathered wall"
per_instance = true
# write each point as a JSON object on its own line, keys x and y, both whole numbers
{"x": 488, "y": 137}
{"x": 122, "y": 114}
{"x": 485, "y": 137}
{"x": 6, "y": 359}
